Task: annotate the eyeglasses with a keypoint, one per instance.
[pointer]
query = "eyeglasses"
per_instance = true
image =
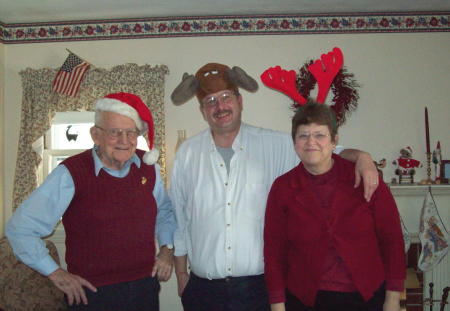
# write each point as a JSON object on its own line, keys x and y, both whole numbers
{"x": 318, "y": 136}
{"x": 224, "y": 98}
{"x": 116, "y": 133}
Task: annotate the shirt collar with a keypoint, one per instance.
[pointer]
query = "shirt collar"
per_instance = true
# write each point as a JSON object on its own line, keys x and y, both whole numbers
{"x": 98, "y": 164}
{"x": 238, "y": 140}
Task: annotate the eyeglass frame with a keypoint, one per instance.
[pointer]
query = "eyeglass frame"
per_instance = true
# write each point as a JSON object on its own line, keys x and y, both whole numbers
{"x": 317, "y": 136}
{"x": 206, "y": 102}
{"x": 111, "y": 134}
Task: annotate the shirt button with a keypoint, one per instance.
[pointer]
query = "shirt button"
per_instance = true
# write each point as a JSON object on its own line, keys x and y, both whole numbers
{"x": 229, "y": 247}
{"x": 229, "y": 269}
{"x": 228, "y": 203}
{"x": 228, "y": 225}
{"x": 226, "y": 184}
{"x": 221, "y": 165}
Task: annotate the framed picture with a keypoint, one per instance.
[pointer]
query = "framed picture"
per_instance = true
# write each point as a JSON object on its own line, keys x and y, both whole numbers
{"x": 445, "y": 171}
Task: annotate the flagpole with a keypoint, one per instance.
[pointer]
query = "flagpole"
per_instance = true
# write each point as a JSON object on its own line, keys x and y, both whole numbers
{"x": 78, "y": 56}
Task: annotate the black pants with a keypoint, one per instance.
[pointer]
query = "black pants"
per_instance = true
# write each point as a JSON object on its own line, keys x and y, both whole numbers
{"x": 231, "y": 294}
{"x": 338, "y": 301}
{"x": 139, "y": 295}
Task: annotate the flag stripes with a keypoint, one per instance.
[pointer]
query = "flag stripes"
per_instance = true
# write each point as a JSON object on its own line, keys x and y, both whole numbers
{"x": 70, "y": 76}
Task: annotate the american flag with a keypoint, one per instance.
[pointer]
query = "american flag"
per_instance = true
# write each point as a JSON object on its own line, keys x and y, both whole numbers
{"x": 69, "y": 77}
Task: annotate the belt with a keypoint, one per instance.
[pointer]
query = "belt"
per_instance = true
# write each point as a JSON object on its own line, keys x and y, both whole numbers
{"x": 228, "y": 279}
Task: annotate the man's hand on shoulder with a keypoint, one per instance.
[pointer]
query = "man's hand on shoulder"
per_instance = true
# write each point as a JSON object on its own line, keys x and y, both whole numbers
{"x": 366, "y": 169}
{"x": 164, "y": 264}
{"x": 72, "y": 285}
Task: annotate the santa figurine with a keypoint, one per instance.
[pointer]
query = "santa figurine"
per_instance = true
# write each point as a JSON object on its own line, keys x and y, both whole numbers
{"x": 406, "y": 166}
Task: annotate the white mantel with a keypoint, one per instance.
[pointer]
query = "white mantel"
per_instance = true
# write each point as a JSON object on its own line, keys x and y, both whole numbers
{"x": 409, "y": 200}
{"x": 418, "y": 190}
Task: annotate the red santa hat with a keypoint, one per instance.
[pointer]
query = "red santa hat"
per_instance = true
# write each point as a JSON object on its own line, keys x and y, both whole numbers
{"x": 132, "y": 106}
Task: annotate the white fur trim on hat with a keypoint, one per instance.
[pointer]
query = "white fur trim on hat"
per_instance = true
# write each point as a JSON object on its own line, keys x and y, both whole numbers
{"x": 150, "y": 157}
{"x": 114, "y": 105}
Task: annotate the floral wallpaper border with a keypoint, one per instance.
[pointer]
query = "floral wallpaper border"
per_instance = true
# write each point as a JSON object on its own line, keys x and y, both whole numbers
{"x": 225, "y": 25}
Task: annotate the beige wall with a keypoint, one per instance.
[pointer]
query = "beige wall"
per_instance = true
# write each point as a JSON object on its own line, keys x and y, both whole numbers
{"x": 399, "y": 74}
{"x": 2, "y": 124}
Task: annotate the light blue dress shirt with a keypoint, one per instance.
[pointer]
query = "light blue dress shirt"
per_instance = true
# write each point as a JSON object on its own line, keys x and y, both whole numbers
{"x": 39, "y": 214}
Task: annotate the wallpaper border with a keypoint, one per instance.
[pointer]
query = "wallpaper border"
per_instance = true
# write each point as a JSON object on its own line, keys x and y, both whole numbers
{"x": 295, "y": 24}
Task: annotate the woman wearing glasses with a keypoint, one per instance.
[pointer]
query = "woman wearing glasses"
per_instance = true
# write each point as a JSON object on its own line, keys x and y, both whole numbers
{"x": 326, "y": 247}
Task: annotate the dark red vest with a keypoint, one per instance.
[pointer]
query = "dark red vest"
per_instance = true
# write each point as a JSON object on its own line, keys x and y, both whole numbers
{"x": 110, "y": 223}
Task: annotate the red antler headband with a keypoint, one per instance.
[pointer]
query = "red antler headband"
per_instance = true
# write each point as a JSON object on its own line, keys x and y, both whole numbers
{"x": 324, "y": 71}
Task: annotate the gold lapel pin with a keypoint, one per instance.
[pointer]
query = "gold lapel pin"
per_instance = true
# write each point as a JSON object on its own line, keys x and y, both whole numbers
{"x": 143, "y": 180}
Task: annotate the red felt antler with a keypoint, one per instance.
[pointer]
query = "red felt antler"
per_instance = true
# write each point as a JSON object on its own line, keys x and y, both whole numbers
{"x": 283, "y": 81}
{"x": 325, "y": 70}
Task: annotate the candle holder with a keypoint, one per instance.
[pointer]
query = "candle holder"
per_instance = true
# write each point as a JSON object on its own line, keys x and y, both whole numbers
{"x": 181, "y": 138}
{"x": 428, "y": 180}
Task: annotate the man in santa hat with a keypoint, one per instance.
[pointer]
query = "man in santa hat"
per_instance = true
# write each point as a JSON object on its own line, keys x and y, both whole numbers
{"x": 219, "y": 187}
{"x": 112, "y": 202}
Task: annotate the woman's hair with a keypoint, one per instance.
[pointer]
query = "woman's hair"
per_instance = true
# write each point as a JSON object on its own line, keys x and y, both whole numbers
{"x": 314, "y": 112}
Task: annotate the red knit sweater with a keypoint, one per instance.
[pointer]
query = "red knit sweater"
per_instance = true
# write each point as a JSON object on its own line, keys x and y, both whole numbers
{"x": 366, "y": 235}
{"x": 110, "y": 223}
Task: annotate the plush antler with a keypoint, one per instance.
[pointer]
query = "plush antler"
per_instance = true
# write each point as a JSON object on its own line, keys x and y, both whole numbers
{"x": 325, "y": 70}
{"x": 185, "y": 90}
{"x": 242, "y": 79}
{"x": 283, "y": 81}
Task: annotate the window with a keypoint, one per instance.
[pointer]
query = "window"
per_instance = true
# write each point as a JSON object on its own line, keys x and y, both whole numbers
{"x": 69, "y": 135}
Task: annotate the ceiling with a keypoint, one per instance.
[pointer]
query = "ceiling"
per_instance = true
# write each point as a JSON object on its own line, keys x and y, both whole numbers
{"x": 33, "y": 11}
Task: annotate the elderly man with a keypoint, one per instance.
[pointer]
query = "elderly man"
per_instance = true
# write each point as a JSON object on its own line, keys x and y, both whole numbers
{"x": 112, "y": 202}
{"x": 219, "y": 186}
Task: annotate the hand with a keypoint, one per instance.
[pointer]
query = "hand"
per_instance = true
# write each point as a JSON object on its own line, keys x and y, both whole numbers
{"x": 366, "y": 169}
{"x": 391, "y": 306}
{"x": 182, "y": 280}
{"x": 71, "y": 285}
{"x": 163, "y": 264}
{"x": 278, "y": 307}
{"x": 392, "y": 301}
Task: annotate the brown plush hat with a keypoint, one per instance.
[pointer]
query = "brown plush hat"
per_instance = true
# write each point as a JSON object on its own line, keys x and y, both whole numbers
{"x": 212, "y": 78}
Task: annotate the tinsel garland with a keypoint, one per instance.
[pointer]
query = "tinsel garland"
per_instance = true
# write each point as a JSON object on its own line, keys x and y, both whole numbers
{"x": 344, "y": 87}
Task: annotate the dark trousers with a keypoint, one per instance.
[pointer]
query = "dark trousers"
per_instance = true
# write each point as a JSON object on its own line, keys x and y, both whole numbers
{"x": 139, "y": 295}
{"x": 338, "y": 301}
{"x": 246, "y": 293}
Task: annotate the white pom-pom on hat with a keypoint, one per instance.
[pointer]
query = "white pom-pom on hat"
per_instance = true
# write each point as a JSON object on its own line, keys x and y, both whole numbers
{"x": 150, "y": 157}
{"x": 132, "y": 106}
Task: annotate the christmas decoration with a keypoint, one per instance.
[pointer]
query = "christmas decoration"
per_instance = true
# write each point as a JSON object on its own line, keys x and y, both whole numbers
{"x": 327, "y": 72}
{"x": 406, "y": 166}
{"x": 344, "y": 88}
{"x": 433, "y": 235}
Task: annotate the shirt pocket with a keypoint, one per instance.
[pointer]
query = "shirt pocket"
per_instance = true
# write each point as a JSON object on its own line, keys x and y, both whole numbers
{"x": 255, "y": 201}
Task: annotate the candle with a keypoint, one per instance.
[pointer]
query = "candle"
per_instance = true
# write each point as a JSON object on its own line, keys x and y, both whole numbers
{"x": 427, "y": 130}
{"x": 438, "y": 150}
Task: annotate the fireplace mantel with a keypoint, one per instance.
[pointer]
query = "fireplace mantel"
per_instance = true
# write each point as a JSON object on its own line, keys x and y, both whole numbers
{"x": 418, "y": 190}
{"x": 409, "y": 199}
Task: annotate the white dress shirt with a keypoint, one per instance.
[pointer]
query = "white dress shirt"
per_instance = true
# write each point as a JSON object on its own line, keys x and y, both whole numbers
{"x": 221, "y": 216}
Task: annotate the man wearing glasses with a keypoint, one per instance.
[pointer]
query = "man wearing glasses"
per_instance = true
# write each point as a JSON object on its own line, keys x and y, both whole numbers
{"x": 112, "y": 203}
{"x": 219, "y": 186}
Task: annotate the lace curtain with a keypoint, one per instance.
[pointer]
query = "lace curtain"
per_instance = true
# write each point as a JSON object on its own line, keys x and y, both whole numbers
{"x": 39, "y": 105}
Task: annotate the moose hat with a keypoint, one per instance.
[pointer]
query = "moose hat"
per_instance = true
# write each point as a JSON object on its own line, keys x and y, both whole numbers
{"x": 212, "y": 78}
